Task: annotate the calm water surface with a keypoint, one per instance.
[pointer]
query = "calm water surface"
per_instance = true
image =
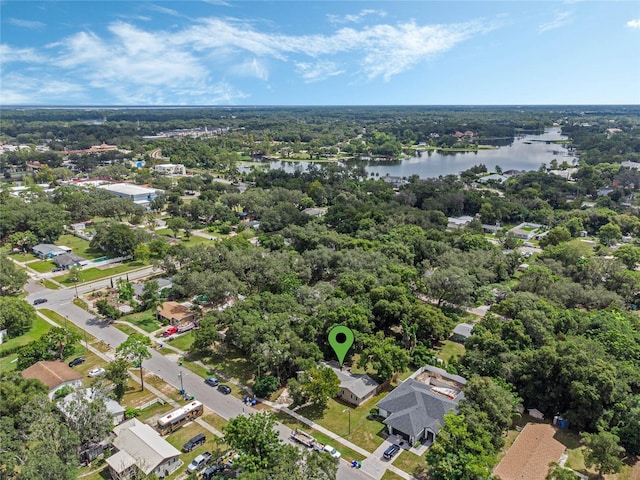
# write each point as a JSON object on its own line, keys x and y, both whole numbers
{"x": 525, "y": 153}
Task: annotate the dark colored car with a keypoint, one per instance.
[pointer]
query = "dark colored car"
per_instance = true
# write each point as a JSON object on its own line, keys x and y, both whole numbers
{"x": 194, "y": 442}
{"x": 76, "y": 361}
{"x": 212, "y": 381}
{"x": 38, "y": 301}
{"x": 224, "y": 389}
{"x": 391, "y": 451}
{"x": 211, "y": 472}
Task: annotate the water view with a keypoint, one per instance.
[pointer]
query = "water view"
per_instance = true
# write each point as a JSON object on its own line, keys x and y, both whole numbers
{"x": 527, "y": 152}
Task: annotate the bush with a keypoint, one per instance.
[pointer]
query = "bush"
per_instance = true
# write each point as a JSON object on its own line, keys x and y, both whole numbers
{"x": 131, "y": 412}
{"x": 265, "y": 386}
{"x": 63, "y": 392}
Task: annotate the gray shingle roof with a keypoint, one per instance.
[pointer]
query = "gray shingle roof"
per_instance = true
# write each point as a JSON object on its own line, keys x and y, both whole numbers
{"x": 464, "y": 329}
{"x": 358, "y": 384}
{"x": 67, "y": 259}
{"x": 413, "y": 406}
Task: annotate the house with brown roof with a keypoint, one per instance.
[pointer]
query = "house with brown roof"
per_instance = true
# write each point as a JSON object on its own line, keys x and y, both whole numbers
{"x": 530, "y": 455}
{"x": 54, "y": 374}
{"x": 175, "y": 313}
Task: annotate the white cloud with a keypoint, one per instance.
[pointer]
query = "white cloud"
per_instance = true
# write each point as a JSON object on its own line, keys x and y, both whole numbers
{"x": 314, "y": 72}
{"x": 252, "y": 68}
{"x": 9, "y": 54}
{"x": 30, "y": 24}
{"x": 560, "y": 19}
{"x": 634, "y": 23}
{"x": 356, "y": 17}
{"x": 19, "y": 89}
{"x": 139, "y": 65}
{"x": 168, "y": 11}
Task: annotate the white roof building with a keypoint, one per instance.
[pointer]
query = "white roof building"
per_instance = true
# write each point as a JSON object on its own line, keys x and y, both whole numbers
{"x": 171, "y": 169}
{"x": 141, "y": 447}
{"x": 138, "y": 194}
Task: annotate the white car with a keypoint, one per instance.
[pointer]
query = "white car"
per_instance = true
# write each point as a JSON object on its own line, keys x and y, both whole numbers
{"x": 96, "y": 372}
{"x": 332, "y": 451}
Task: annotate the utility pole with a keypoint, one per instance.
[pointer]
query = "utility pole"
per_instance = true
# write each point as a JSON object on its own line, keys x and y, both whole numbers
{"x": 181, "y": 385}
{"x": 348, "y": 410}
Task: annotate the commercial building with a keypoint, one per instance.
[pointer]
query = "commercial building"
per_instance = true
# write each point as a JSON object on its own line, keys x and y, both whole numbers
{"x": 137, "y": 194}
{"x": 170, "y": 169}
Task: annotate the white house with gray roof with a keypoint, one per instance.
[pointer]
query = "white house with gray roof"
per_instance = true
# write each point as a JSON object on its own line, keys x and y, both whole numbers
{"x": 141, "y": 448}
{"x": 355, "y": 388}
{"x": 415, "y": 409}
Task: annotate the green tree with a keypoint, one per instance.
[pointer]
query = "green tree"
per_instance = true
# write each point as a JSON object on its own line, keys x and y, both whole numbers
{"x": 559, "y": 473}
{"x": 12, "y": 279}
{"x": 88, "y": 417}
{"x": 609, "y": 234}
{"x": 125, "y": 290}
{"x": 115, "y": 239}
{"x": 118, "y": 372}
{"x": 451, "y": 285}
{"x": 384, "y": 355}
{"x": 16, "y": 316}
{"x": 319, "y": 384}
{"x": 255, "y": 439}
{"x": 22, "y": 240}
{"x": 629, "y": 255}
{"x": 603, "y": 452}
{"x": 265, "y": 386}
{"x": 142, "y": 252}
{"x": 135, "y": 349}
{"x": 175, "y": 224}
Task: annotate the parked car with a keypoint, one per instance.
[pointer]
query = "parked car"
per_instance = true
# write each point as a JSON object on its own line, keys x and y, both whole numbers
{"x": 391, "y": 451}
{"x": 212, "y": 381}
{"x": 211, "y": 472}
{"x": 331, "y": 451}
{"x": 224, "y": 389}
{"x": 199, "y": 462}
{"x": 96, "y": 372}
{"x": 76, "y": 361}
{"x": 39, "y": 301}
{"x": 194, "y": 442}
{"x": 170, "y": 331}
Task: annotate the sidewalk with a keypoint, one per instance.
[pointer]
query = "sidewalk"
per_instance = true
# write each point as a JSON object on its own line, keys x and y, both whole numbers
{"x": 110, "y": 356}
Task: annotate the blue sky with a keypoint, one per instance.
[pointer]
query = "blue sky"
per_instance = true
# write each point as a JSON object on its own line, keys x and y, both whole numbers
{"x": 319, "y": 52}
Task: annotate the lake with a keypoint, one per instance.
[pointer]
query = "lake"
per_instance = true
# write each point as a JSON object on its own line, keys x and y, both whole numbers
{"x": 527, "y": 152}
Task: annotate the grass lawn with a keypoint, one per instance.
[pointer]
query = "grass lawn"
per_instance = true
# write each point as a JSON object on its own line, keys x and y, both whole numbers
{"x": 38, "y": 328}
{"x": 215, "y": 420}
{"x": 145, "y": 320}
{"x": 409, "y": 462}
{"x": 181, "y": 436}
{"x": 23, "y": 257}
{"x": 389, "y": 475}
{"x": 8, "y": 363}
{"x": 60, "y": 320}
{"x": 79, "y": 246}
{"x": 366, "y": 433}
{"x": 232, "y": 363}
{"x": 92, "y": 274}
{"x": 155, "y": 410}
{"x": 292, "y": 423}
{"x": 194, "y": 239}
{"x": 42, "y": 266}
{"x": 49, "y": 284}
{"x": 183, "y": 342}
{"x": 124, "y": 328}
{"x": 134, "y": 396}
{"x": 449, "y": 349}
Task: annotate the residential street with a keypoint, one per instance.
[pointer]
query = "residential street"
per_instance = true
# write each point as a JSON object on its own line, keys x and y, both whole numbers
{"x": 227, "y": 406}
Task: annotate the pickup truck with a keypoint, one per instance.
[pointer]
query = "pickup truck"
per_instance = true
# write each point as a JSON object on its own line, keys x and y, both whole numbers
{"x": 199, "y": 462}
{"x": 170, "y": 331}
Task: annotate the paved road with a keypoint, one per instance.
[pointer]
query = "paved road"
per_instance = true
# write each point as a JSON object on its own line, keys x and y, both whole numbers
{"x": 227, "y": 406}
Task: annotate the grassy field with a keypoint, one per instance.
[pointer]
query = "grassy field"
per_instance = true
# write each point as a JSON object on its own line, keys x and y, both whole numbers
{"x": 409, "y": 462}
{"x": 292, "y": 423}
{"x": 23, "y": 257}
{"x": 364, "y": 432}
{"x": 92, "y": 274}
{"x": 124, "y": 328}
{"x": 232, "y": 363}
{"x": 145, "y": 320}
{"x": 183, "y": 342}
{"x": 43, "y": 266}
{"x": 38, "y": 329}
{"x": 78, "y": 246}
{"x": 49, "y": 284}
{"x": 449, "y": 349}
{"x": 389, "y": 475}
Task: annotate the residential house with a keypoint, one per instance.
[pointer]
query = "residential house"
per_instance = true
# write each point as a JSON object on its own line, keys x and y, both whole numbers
{"x": 459, "y": 222}
{"x": 48, "y": 250}
{"x": 531, "y": 453}
{"x": 494, "y": 177}
{"x": 315, "y": 212}
{"x": 175, "y": 313}
{"x": 415, "y": 409}
{"x": 113, "y": 408}
{"x": 462, "y": 331}
{"x": 141, "y": 449}
{"x": 355, "y": 389}
{"x": 163, "y": 283}
{"x": 525, "y": 231}
{"x": 54, "y": 374}
{"x": 69, "y": 260}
